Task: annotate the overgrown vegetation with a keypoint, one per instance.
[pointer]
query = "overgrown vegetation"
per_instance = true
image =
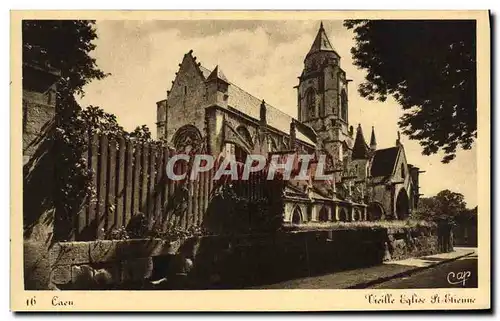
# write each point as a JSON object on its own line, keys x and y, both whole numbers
{"x": 318, "y": 226}
{"x": 140, "y": 227}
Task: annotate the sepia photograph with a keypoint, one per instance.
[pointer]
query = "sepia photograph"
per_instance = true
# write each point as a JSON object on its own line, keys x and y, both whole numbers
{"x": 252, "y": 152}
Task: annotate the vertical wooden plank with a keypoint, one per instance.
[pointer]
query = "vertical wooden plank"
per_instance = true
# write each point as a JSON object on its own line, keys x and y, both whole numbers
{"x": 81, "y": 222}
{"x": 136, "y": 200}
{"x": 91, "y": 224}
{"x": 188, "y": 216}
{"x": 120, "y": 187}
{"x": 206, "y": 182}
{"x": 201, "y": 197}
{"x": 196, "y": 201}
{"x": 151, "y": 182}
{"x": 129, "y": 182}
{"x": 211, "y": 181}
{"x": 160, "y": 184}
{"x": 200, "y": 182}
{"x": 255, "y": 185}
{"x": 144, "y": 180}
{"x": 257, "y": 182}
{"x": 170, "y": 199}
{"x": 183, "y": 188}
{"x": 251, "y": 186}
{"x": 166, "y": 186}
{"x": 173, "y": 185}
{"x": 101, "y": 187}
{"x": 111, "y": 186}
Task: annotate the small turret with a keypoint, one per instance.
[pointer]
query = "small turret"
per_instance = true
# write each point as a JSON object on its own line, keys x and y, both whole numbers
{"x": 360, "y": 149}
{"x": 217, "y": 88}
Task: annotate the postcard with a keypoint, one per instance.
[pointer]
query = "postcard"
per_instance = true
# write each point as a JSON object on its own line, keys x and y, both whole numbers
{"x": 250, "y": 160}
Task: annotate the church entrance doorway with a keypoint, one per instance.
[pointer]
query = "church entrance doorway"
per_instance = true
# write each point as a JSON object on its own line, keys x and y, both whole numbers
{"x": 402, "y": 205}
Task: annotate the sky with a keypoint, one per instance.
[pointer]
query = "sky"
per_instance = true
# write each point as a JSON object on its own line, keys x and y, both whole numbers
{"x": 264, "y": 58}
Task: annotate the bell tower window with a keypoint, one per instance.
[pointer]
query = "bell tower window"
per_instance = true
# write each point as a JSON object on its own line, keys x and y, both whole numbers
{"x": 343, "y": 105}
{"x": 311, "y": 103}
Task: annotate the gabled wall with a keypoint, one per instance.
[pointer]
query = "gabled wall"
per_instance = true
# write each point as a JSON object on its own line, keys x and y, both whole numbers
{"x": 185, "y": 101}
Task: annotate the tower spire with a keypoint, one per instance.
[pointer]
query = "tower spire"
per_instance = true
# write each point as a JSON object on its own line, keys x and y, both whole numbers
{"x": 321, "y": 42}
{"x": 373, "y": 140}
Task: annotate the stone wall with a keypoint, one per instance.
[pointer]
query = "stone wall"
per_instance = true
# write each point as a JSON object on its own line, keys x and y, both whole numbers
{"x": 256, "y": 260}
{"x": 186, "y": 98}
{"x": 230, "y": 261}
{"x": 39, "y": 104}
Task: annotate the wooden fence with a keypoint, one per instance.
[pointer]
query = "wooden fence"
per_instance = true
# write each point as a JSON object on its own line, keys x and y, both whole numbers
{"x": 130, "y": 178}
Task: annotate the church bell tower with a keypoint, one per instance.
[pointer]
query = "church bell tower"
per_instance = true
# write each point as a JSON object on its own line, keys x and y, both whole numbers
{"x": 323, "y": 98}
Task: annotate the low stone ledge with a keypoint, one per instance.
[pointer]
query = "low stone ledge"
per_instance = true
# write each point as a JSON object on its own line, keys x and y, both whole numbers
{"x": 143, "y": 248}
{"x": 101, "y": 251}
{"x": 66, "y": 253}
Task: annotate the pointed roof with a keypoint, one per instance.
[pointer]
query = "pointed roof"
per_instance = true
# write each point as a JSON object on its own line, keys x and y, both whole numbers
{"x": 217, "y": 74}
{"x": 321, "y": 42}
{"x": 384, "y": 161}
{"x": 360, "y": 150}
{"x": 373, "y": 140}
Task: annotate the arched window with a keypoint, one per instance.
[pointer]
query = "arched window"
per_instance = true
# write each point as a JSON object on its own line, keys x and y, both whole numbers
{"x": 375, "y": 212}
{"x": 187, "y": 139}
{"x": 297, "y": 216}
{"x": 343, "y": 216}
{"x": 403, "y": 174}
{"x": 311, "y": 103}
{"x": 343, "y": 105}
{"x": 323, "y": 214}
{"x": 356, "y": 216}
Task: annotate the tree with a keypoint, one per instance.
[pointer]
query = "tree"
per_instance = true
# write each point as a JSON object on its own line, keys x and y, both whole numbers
{"x": 66, "y": 45}
{"x": 446, "y": 205}
{"x": 429, "y": 68}
{"x": 141, "y": 134}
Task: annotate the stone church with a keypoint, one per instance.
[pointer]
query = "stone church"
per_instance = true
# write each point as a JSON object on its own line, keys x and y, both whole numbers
{"x": 205, "y": 111}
